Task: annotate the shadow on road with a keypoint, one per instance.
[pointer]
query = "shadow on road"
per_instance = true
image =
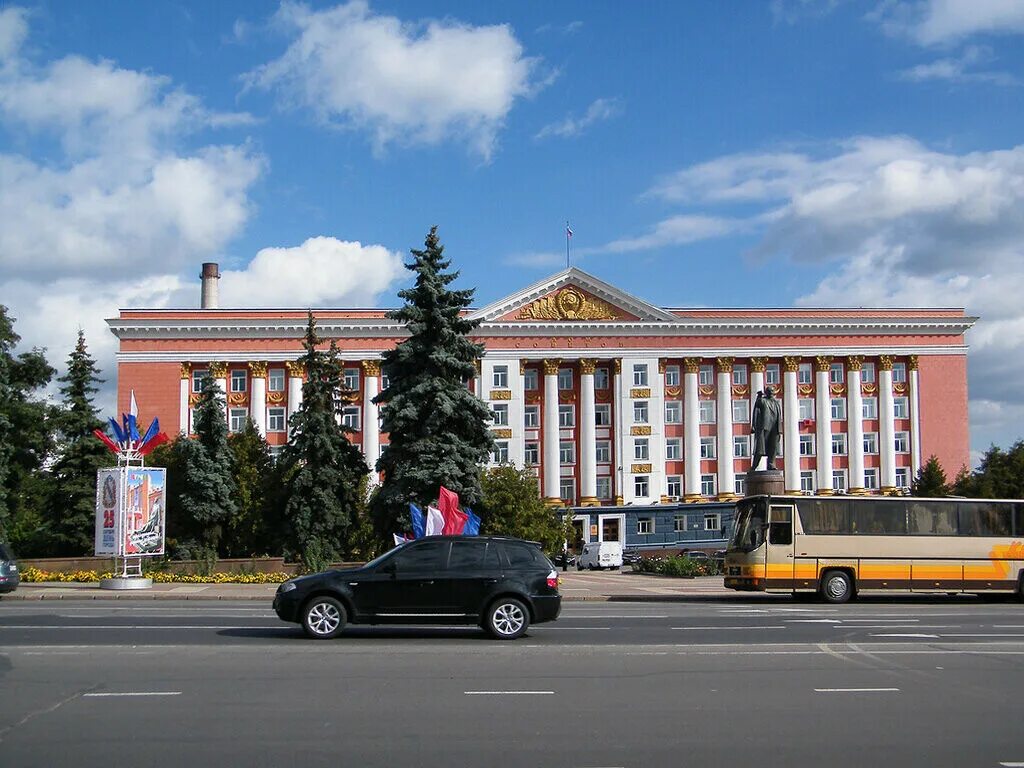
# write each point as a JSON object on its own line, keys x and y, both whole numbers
{"x": 363, "y": 632}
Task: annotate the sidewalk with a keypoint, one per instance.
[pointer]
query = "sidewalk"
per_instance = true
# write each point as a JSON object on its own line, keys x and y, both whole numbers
{"x": 576, "y": 586}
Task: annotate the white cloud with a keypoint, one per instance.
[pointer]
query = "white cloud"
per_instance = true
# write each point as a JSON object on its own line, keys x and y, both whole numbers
{"x": 676, "y": 230}
{"x": 932, "y": 22}
{"x": 598, "y": 111}
{"x": 959, "y": 69}
{"x": 13, "y": 30}
{"x": 792, "y": 11}
{"x": 420, "y": 83}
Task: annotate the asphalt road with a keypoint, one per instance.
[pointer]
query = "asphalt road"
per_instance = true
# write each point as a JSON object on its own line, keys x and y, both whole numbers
{"x": 770, "y": 682}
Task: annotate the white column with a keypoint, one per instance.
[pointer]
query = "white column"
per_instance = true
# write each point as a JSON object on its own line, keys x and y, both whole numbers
{"x": 588, "y": 441}
{"x": 219, "y": 372}
{"x": 915, "y": 418}
{"x": 296, "y": 370}
{"x": 478, "y": 380}
{"x": 371, "y": 414}
{"x": 823, "y": 424}
{"x": 855, "y": 424}
{"x": 886, "y": 423}
{"x": 756, "y": 385}
{"x": 517, "y": 412}
{"x": 184, "y": 395}
{"x": 258, "y": 396}
{"x": 691, "y": 429}
{"x": 621, "y": 458}
{"x": 791, "y": 425}
{"x": 551, "y": 460}
{"x": 726, "y": 468}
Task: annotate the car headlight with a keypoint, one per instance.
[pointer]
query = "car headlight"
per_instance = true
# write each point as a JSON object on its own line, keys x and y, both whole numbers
{"x": 288, "y": 586}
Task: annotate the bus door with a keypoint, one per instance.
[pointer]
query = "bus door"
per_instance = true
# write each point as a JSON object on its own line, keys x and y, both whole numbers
{"x": 779, "y": 562}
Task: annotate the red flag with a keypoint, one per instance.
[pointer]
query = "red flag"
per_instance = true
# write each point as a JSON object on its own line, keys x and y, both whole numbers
{"x": 153, "y": 442}
{"x": 447, "y": 501}
{"x": 106, "y": 440}
{"x": 454, "y": 520}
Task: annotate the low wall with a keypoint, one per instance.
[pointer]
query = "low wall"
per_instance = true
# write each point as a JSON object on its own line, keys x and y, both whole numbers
{"x": 227, "y": 565}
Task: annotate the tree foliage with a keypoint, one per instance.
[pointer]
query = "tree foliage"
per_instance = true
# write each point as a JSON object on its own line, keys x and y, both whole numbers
{"x": 512, "y": 507}
{"x": 999, "y": 476}
{"x": 323, "y": 470}
{"x": 930, "y": 480}
{"x": 253, "y": 528}
{"x": 438, "y": 429}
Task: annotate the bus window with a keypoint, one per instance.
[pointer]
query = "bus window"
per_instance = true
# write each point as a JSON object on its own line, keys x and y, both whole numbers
{"x": 979, "y": 518}
{"x": 826, "y": 516}
{"x": 879, "y": 516}
{"x": 781, "y": 529}
{"x": 933, "y": 518}
{"x": 751, "y": 517}
{"x": 1018, "y": 519}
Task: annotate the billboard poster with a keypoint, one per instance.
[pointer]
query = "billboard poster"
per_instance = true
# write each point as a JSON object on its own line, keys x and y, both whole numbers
{"x": 144, "y": 508}
{"x": 108, "y": 511}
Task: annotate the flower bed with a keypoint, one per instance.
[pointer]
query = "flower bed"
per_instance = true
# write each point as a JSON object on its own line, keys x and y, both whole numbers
{"x": 30, "y": 574}
{"x": 679, "y": 567}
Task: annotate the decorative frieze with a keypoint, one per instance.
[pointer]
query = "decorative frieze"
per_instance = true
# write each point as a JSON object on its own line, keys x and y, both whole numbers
{"x": 724, "y": 364}
{"x": 855, "y": 362}
{"x": 275, "y": 398}
{"x": 219, "y": 370}
{"x": 617, "y": 366}
{"x": 587, "y": 366}
{"x": 640, "y": 392}
{"x": 186, "y": 370}
{"x": 551, "y": 366}
{"x": 501, "y": 394}
{"x": 885, "y": 362}
{"x": 758, "y": 364}
{"x": 296, "y": 368}
{"x": 912, "y": 362}
{"x": 691, "y": 364}
{"x": 822, "y": 363}
{"x": 673, "y": 391}
{"x": 839, "y": 390}
{"x": 502, "y": 434}
{"x": 371, "y": 367}
{"x": 791, "y": 364}
{"x": 662, "y": 365}
{"x": 238, "y": 398}
{"x": 568, "y": 304}
{"x": 640, "y": 429}
{"x": 640, "y": 469}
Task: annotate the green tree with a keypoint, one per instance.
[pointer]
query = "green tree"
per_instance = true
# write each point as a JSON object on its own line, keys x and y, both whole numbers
{"x": 930, "y": 480}
{"x": 511, "y": 507}
{"x": 323, "y": 470}
{"x": 251, "y": 529}
{"x": 1000, "y": 475}
{"x": 438, "y": 429}
{"x": 72, "y": 501}
{"x": 207, "y": 500}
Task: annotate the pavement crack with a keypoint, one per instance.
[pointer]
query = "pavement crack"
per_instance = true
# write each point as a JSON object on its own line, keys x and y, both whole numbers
{"x": 45, "y": 711}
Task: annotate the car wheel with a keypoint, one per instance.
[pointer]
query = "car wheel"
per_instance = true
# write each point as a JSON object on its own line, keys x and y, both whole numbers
{"x": 507, "y": 619}
{"x": 323, "y": 618}
{"x": 836, "y": 587}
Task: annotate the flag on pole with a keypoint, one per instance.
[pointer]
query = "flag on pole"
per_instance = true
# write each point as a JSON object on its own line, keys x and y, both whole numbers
{"x": 447, "y": 501}
{"x": 472, "y": 524}
{"x": 568, "y": 231}
{"x": 454, "y": 522}
{"x": 154, "y": 442}
{"x": 106, "y": 440}
{"x": 435, "y": 522}
{"x": 419, "y": 523}
{"x": 133, "y": 408}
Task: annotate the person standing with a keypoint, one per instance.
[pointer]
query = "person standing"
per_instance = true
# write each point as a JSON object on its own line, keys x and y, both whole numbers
{"x": 766, "y": 425}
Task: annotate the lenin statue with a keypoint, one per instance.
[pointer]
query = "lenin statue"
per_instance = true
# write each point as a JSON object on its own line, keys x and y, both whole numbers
{"x": 765, "y": 424}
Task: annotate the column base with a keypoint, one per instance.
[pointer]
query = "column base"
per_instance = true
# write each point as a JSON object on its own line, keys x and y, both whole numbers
{"x": 889, "y": 490}
{"x": 727, "y": 497}
{"x": 792, "y": 492}
{"x": 824, "y": 492}
{"x": 553, "y": 501}
{"x": 619, "y": 501}
{"x": 590, "y": 501}
{"x": 857, "y": 491}
{"x": 693, "y": 498}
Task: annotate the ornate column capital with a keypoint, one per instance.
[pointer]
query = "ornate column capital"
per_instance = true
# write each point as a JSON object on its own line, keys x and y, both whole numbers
{"x": 691, "y": 364}
{"x": 258, "y": 368}
{"x": 478, "y": 364}
{"x": 296, "y": 368}
{"x": 186, "y": 370}
{"x": 522, "y": 366}
{"x": 885, "y": 362}
{"x": 617, "y": 365}
{"x": 371, "y": 367}
{"x": 724, "y": 364}
{"x": 912, "y": 362}
{"x": 855, "y": 362}
{"x": 822, "y": 363}
{"x": 219, "y": 370}
{"x": 662, "y": 365}
{"x": 551, "y": 366}
{"x": 587, "y": 366}
{"x": 758, "y": 364}
{"x": 791, "y": 364}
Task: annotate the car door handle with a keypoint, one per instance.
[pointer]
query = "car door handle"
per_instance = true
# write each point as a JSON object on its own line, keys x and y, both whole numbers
{"x": 431, "y": 581}
{"x": 490, "y": 581}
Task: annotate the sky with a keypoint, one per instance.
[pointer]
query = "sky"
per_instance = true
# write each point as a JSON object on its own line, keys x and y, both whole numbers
{"x": 750, "y": 153}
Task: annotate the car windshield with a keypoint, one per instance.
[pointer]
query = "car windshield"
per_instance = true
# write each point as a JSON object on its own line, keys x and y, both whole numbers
{"x": 751, "y": 516}
{"x": 386, "y": 556}
{"x": 5, "y": 553}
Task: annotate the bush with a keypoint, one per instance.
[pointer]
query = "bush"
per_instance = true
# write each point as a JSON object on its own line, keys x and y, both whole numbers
{"x": 677, "y": 567}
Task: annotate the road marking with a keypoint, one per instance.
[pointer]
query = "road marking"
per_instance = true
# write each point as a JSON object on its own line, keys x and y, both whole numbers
{"x": 900, "y": 626}
{"x": 876, "y": 621}
{"x": 138, "y": 626}
{"x": 509, "y": 693}
{"x": 137, "y": 693}
{"x": 1009, "y": 626}
{"x": 566, "y": 616}
{"x": 585, "y": 629}
{"x": 1012, "y": 765}
{"x": 856, "y": 690}
{"x": 755, "y": 627}
{"x": 813, "y": 621}
{"x": 991, "y": 634}
{"x": 904, "y": 634}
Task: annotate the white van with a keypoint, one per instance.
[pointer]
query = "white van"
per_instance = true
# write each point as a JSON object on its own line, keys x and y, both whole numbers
{"x": 600, "y": 554}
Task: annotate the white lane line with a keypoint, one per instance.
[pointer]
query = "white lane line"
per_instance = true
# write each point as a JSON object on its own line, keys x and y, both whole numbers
{"x": 856, "y": 690}
{"x": 1009, "y": 626}
{"x": 738, "y": 628}
{"x": 1012, "y": 765}
{"x": 138, "y": 626}
{"x": 904, "y": 634}
{"x": 978, "y": 634}
{"x": 901, "y": 626}
{"x": 136, "y": 693}
{"x": 584, "y": 629}
{"x": 601, "y": 616}
{"x": 813, "y": 621}
{"x": 877, "y": 621}
{"x": 509, "y": 693}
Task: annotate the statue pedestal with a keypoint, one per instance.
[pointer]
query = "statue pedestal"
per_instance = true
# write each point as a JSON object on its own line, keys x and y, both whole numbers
{"x": 765, "y": 481}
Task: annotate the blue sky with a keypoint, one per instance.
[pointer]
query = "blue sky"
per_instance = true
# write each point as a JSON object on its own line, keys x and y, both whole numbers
{"x": 795, "y": 152}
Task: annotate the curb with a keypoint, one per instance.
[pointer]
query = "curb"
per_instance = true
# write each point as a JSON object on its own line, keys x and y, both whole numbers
{"x": 136, "y": 597}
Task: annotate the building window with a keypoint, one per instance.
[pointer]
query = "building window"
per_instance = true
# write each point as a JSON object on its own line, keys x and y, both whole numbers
{"x": 741, "y": 446}
{"x": 566, "y": 416}
{"x": 567, "y": 452}
{"x": 639, "y": 411}
{"x": 237, "y": 417}
{"x": 600, "y": 378}
{"x": 644, "y": 526}
{"x": 739, "y": 375}
{"x": 673, "y": 412}
{"x": 707, "y": 485}
{"x": 839, "y": 444}
{"x": 673, "y": 450}
{"x": 707, "y": 447}
{"x": 567, "y": 489}
{"x": 706, "y": 375}
{"x": 603, "y": 452}
{"x": 901, "y": 408}
{"x": 867, "y": 373}
{"x": 565, "y": 378}
{"x": 501, "y": 452}
{"x": 771, "y": 374}
{"x": 803, "y": 374}
{"x": 902, "y": 442}
{"x": 712, "y": 521}
{"x": 641, "y": 449}
{"x": 740, "y": 485}
{"x": 641, "y": 486}
{"x": 806, "y": 407}
{"x": 706, "y": 409}
{"x": 899, "y": 372}
{"x": 197, "y": 379}
{"x": 902, "y": 477}
{"x": 238, "y": 380}
{"x": 807, "y": 482}
{"x": 530, "y": 378}
{"x": 499, "y": 377}
{"x": 350, "y": 417}
{"x": 869, "y": 408}
{"x": 531, "y": 454}
{"x": 275, "y": 452}
{"x": 740, "y": 411}
{"x": 674, "y": 486}
{"x": 603, "y": 414}
{"x": 352, "y": 379}
{"x": 604, "y": 487}
{"x": 806, "y": 445}
{"x": 871, "y": 442}
{"x": 672, "y": 376}
{"x": 679, "y": 524}
{"x": 871, "y": 479}
{"x": 838, "y": 408}
{"x": 499, "y": 414}
{"x": 275, "y": 419}
{"x": 640, "y": 375}
{"x": 836, "y": 373}
{"x": 275, "y": 380}
{"x": 531, "y": 417}
{"x": 839, "y": 479}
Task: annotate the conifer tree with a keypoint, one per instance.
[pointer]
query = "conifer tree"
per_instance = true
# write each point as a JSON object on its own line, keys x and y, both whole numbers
{"x": 249, "y": 529}
{"x": 930, "y": 480}
{"x": 1000, "y": 475}
{"x": 208, "y": 492}
{"x": 438, "y": 429}
{"x": 322, "y": 469}
{"x": 72, "y": 502}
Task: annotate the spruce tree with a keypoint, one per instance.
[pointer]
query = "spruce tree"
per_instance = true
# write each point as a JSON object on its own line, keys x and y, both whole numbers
{"x": 438, "y": 429}
{"x": 249, "y": 529}
{"x": 208, "y": 494}
{"x": 72, "y": 502}
{"x": 930, "y": 480}
{"x": 322, "y": 469}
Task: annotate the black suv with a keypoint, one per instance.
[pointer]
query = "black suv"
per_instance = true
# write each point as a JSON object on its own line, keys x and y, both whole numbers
{"x": 502, "y": 584}
{"x": 9, "y": 577}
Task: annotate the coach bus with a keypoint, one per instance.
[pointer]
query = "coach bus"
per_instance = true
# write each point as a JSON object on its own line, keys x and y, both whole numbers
{"x": 834, "y": 546}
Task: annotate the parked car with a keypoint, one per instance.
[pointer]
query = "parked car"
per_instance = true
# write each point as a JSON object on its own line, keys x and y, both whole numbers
{"x": 9, "y": 576}
{"x": 631, "y": 555}
{"x": 693, "y": 554}
{"x": 502, "y": 584}
{"x": 600, "y": 554}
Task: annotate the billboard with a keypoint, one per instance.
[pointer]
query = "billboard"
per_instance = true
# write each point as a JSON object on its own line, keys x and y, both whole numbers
{"x": 131, "y": 511}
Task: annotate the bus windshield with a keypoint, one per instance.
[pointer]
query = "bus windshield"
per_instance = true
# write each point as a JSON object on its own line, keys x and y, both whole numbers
{"x": 751, "y": 517}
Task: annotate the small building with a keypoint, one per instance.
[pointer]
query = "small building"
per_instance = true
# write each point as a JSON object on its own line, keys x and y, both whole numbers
{"x": 656, "y": 527}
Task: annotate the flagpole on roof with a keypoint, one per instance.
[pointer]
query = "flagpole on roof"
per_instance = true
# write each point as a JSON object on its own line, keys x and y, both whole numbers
{"x": 568, "y": 237}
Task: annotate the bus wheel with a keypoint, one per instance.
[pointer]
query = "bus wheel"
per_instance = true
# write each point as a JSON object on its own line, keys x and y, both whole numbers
{"x": 836, "y": 587}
